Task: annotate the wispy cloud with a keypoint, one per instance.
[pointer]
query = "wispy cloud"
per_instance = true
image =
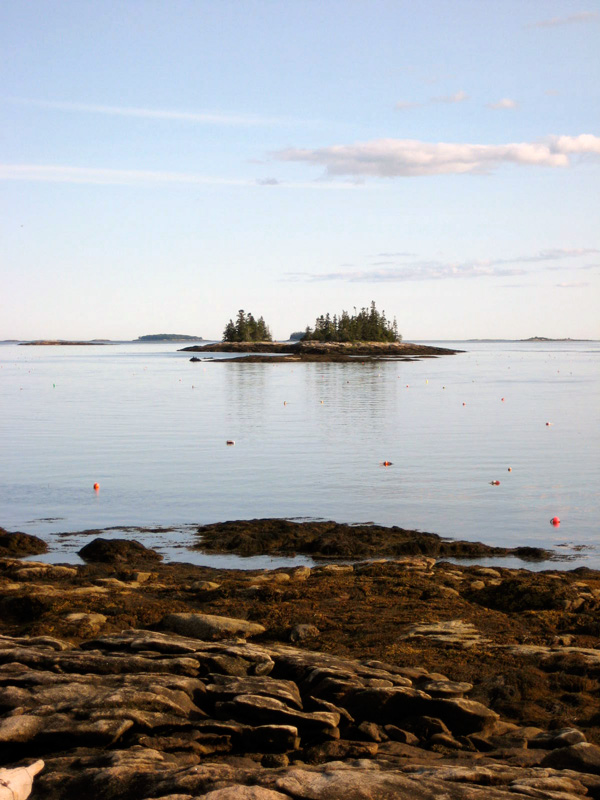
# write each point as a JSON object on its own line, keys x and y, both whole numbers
{"x": 198, "y": 117}
{"x": 405, "y": 105}
{"x": 505, "y": 103}
{"x": 458, "y": 97}
{"x": 434, "y": 270}
{"x": 391, "y": 158}
{"x": 573, "y": 285}
{"x": 553, "y": 22}
{"x": 132, "y": 177}
{"x": 417, "y": 271}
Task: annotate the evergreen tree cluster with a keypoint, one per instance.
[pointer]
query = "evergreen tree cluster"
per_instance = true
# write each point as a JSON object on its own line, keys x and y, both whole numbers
{"x": 367, "y": 325}
{"x": 246, "y": 329}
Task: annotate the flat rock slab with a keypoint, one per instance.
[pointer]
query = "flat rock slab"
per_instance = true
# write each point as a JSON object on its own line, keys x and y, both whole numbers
{"x": 210, "y": 626}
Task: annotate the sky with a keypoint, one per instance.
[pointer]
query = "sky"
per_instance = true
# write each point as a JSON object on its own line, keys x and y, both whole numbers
{"x": 164, "y": 163}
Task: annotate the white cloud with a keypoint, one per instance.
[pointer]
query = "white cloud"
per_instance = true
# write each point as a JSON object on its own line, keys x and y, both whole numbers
{"x": 506, "y": 102}
{"x": 390, "y": 158}
{"x": 203, "y": 117}
{"x": 553, "y": 22}
{"x": 573, "y": 285}
{"x": 133, "y": 177}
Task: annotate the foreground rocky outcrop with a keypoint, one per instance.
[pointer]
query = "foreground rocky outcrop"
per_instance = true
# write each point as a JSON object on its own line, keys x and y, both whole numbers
{"x": 142, "y": 714}
{"x": 409, "y": 676}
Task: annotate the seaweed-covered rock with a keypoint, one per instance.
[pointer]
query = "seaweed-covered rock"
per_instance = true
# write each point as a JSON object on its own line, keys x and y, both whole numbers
{"x": 17, "y": 544}
{"x": 337, "y": 540}
{"x": 115, "y": 551}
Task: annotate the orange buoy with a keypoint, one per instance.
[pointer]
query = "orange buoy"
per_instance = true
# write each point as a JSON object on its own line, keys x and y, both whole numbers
{"x": 230, "y": 441}
{"x": 555, "y": 521}
{"x": 386, "y": 463}
{"x": 548, "y": 424}
{"x": 494, "y": 483}
{"x": 464, "y": 404}
{"x": 510, "y": 469}
{"x": 96, "y": 487}
{"x": 502, "y": 399}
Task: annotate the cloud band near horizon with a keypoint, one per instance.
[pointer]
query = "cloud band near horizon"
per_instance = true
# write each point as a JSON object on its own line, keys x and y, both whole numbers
{"x": 443, "y": 270}
{"x": 392, "y": 158}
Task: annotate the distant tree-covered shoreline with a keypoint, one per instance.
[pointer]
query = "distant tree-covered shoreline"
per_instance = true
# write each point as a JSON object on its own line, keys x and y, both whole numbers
{"x": 366, "y": 325}
{"x": 247, "y": 329}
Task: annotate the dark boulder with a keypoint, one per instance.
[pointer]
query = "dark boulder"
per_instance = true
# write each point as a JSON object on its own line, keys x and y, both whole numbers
{"x": 115, "y": 551}
{"x": 15, "y": 545}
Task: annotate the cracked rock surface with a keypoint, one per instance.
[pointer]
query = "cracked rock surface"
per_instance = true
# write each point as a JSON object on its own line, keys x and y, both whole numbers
{"x": 147, "y": 714}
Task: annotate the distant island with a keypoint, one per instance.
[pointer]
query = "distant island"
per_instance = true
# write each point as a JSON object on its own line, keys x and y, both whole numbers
{"x": 168, "y": 337}
{"x": 50, "y": 342}
{"x": 546, "y": 339}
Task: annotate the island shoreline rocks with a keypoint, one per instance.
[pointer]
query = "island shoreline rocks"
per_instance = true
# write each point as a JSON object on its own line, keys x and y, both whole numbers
{"x": 319, "y": 351}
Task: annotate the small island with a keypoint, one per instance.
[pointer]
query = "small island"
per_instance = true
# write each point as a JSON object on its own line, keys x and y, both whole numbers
{"x": 365, "y": 335}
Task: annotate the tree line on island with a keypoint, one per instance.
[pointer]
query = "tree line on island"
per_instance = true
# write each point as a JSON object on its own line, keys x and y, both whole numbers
{"x": 366, "y": 325}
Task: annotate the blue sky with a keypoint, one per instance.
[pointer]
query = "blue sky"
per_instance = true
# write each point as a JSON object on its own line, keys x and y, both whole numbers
{"x": 164, "y": 164}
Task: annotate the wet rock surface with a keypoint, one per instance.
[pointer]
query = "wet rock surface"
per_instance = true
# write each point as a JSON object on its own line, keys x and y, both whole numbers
{"x": 336, "y": 540}
{"x": 418, "y": 688}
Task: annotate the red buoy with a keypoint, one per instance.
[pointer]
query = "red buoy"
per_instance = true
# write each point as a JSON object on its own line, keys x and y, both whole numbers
{"x": 502, "y": 399}
{"x": 495, "y": 483}
{"x": 386, "y": 463}
{"x": 96, "y": 487}
{"x": 555, "y": 521}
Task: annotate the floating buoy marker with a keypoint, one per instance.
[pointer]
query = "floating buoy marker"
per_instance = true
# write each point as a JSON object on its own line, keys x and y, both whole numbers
{"x": 230, "y": 441}
{"x": 555, "y": 521}
{"x": 510, "y": 469}
{"x": 96, "y": 487}
{"x": 494, "y": 483}
{"x": 386, "y": 463}
{"x": 548, "y": 424}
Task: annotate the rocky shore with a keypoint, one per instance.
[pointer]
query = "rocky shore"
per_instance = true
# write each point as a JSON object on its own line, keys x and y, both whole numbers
{"x": 274, "y": 352}
{"x": 402, "y": 678}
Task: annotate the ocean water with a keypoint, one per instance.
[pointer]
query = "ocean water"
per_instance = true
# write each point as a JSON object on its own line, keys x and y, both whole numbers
{"x": 151, "y": 428}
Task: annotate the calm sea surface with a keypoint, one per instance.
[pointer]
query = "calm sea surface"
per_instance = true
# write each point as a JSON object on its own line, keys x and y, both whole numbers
{"x": 151, "y": 428}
